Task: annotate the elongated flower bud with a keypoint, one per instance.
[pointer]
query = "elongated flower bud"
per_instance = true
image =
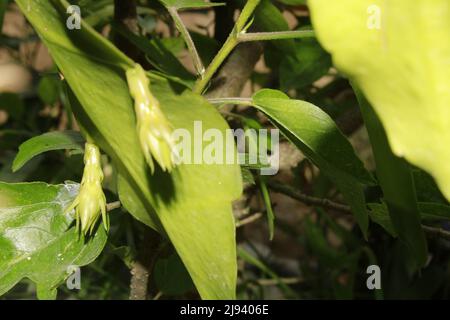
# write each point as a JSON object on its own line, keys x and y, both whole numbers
{"x": 154, "y": 130}
{"x": 91, "y": 200}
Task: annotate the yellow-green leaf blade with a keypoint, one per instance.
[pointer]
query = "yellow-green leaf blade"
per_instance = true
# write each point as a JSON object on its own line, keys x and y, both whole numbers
{"x": 399, "y": 55}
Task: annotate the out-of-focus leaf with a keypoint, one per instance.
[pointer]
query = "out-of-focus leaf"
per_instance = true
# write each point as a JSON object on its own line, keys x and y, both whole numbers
{"x": 308, "y": 64}
{"x": 379, "y": 214}
{"x": 35, "y": 239}
{"x": 319, "y": 245}
{"x": 431, "y": 210}
{"x": 247, "y": 176}
{"x": 428, "y": 211}
{"x": 158, "y": 54}
{"x": 147, "y": 23}
{"x": 268, "y": 204}
{"x": 49, "y": 89}
{"x": 317, "y": 136}
{"x": 171, "y": 276}
{"x": 207, "y": 47}
{"x": 58, "y": 140}
{"x": 269, "y": 19}
{"x": 398, "y": 53}
{"x": 125, "y": 253}
{"x": 426, "y": 188}
{"x": 175, "y": 44}
{"x": 396, "y": 181}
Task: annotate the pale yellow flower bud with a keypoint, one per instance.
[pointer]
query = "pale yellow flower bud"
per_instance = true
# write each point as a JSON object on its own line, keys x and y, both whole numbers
{"x": 153, "y": 128}
{"x": 91, "y": 200}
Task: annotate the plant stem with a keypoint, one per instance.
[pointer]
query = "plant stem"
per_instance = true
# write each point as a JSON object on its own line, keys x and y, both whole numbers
{"x": 246, "y": 13}
{"x": 276, "y": 282}
{"x": 436, "y": 232}
{"x": 223, "y": 53}
{"x": 113, "y": 205}
{"x": 261, "y": 36}
{"x": 142, "y": 268}
{"x": 294, "y": 194}
{"x": 227, "y": 47}
{"x": 198, "y": 64}
{"x": 224, "y": 101}
{"x": 326, "y": 203}
{"x": 249, "y": 219}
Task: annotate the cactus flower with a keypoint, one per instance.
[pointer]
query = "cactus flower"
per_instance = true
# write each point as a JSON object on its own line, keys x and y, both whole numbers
{"x": 153, "y": 128}
{"x": 90, "y": 201}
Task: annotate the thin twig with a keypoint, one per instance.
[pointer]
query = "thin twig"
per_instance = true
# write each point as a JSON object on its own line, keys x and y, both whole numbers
{"x": 228, "y": 46}
{"x": 252, "y": 218}
{"x": 326, "y": 203}
{"x": 113, "y": 205}
{"x": 141, "y": 269}
{"x": 436, "y": 232}
{"x": 237, "y": 100}
{"x": 276, "y": 282}
{"x": 229, "y": 83}
{"x": 198, "y": 64}
{"x": 158, "y": 295}
{"x": 262, "y": 36}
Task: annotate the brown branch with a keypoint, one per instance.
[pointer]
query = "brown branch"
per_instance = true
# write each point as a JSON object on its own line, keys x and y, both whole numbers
{"x": 309, "y": 200}
{"x": 436, "y": 232}
{"x": 252, "y": 218}
{"x": 236, "y": 71}
{"x": 143, "y": 266}
{"x": 276, "y": 282}
{"x": 113, "y": 205}
{"x": 326, "y": 203}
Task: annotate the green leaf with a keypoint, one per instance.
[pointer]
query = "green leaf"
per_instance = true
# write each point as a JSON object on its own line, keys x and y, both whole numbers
{"x": 317, "y": 136}
{"x": 49, "y": 89}
{"x": 380, "y": 215}
{"x": 396, "y": 181}
{"x": 190, "y": 4}
{"x": 58, "y": 140}
{"x": 254, "y": 144}
{"x": 428, "y": 211}
{"x": 171, "y": 276}
{"x": 35, "y": 239}
{"x": 200, "y": 227}
{"x": 268, "y": 18}
{"x": 431, "y": 210}
{"x": 207, "y": 47}
{"x": 268, "y": 204}
{"x": 320, "y": 246}
{"x": 308, "y": 64}
{"x": 158, "y": 54}
{"x": 426, "y": 188}
{"x": 247, "y": 176}
{"x": 398, "y": 53}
